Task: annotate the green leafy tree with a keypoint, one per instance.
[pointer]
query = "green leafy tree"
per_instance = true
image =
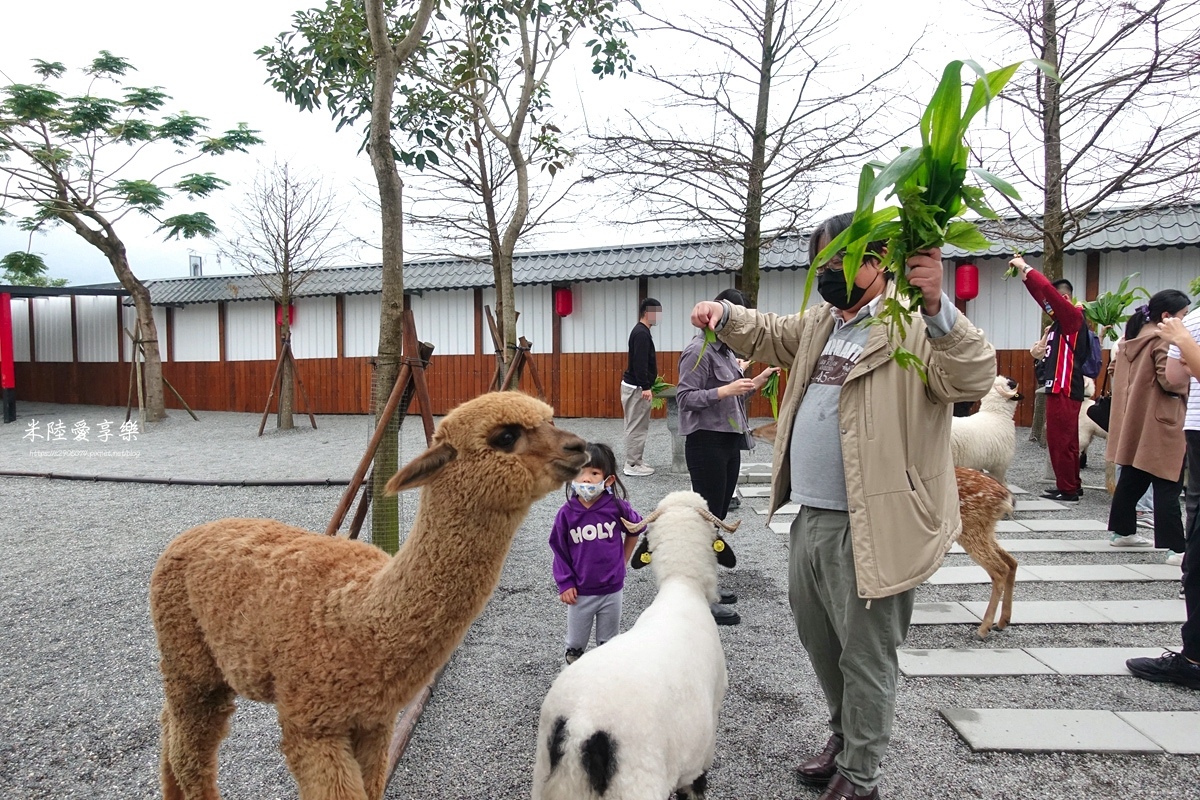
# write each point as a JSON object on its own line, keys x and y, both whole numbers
{"x": 70, "y": 159}
{"x": 26, "y": 269}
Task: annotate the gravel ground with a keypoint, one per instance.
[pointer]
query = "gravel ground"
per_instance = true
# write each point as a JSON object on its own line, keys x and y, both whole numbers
{"x": 79, "y": 664}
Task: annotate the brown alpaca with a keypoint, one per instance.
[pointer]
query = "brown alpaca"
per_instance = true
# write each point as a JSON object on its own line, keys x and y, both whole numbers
{"x": 334, "y": 632}
{"x": 983, "y": 501}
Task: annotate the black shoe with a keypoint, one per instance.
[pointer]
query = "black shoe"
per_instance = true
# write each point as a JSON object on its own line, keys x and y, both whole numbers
{"x": 734, "y": 502}
{"x": 1062, "y": 497}
{"x": 1170, "y": 667}
{"x": 727, "y": 598}
{"x": 573, "y": 654}
{"x": 725, "y": 616}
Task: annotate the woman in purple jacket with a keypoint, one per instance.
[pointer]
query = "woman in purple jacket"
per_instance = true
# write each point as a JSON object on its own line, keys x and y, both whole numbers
{"x": 591, "y": 548}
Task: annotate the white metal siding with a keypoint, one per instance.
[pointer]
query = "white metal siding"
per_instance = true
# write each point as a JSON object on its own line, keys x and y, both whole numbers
{"x": 447, "y": 320}
{"x": 603, "y": 313}
{"x": 361, "y": 320}
{"x": 678, "y": 296}
{"x": 129, "y": 316}
{"x": 20, "y": 328}
{"x": 96, "y": 327}
{"x": 314, "y": 328}
{"x": 782, "y": 291}
{"x": 535, "y": 304}
{"x": 1159, "y": 269}
{"x": 250, "y": 330}
{"x": 197, "y": 333}
{"x": 52, "y": 328}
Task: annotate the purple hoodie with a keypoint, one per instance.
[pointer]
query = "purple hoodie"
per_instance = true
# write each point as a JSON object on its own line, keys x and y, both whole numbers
{"x": 589, "y": 545}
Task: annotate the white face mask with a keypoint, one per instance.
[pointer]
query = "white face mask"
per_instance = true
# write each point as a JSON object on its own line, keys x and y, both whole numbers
{"x": 587, "y": 491}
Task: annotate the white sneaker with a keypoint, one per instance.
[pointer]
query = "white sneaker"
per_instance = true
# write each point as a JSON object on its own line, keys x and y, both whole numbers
{"x": 638, "y": 470}
{"x": 1174, "y": 559}
{"x": 1133, "y": 540}
{"x": 1145, "y": 520}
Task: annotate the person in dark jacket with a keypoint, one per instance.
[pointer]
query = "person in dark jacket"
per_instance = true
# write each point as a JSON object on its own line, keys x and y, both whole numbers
{"x": 1067, "y": 348}
{"x": 635, "y": 387}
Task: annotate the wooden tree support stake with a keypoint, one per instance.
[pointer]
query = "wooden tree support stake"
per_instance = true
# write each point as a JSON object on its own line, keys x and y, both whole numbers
{"x": 285, "y": 352}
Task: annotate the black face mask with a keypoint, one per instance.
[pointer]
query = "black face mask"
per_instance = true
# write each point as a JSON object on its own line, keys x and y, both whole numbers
{"x": 831, "y": 285}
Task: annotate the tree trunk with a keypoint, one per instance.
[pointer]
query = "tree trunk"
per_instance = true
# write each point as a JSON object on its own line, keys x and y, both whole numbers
{"x": 152, "y": 370}
{"x": 1052, "y": 211}
{"x": 508, "y": 245}
{"x": 752, "y": 237}
{"x": 287, "y": 379}
{"x": 495, "y": 248}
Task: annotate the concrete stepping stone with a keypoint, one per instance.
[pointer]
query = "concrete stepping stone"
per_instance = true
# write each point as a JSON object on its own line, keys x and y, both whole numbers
{"x": 1047, "y": 730}
{"x": 754, "y": 491}
{"x": 1176, "y": 732}
{"x": 1065, "y": 525}
{"x": 1137, "y": 611}
{"x": 1046, "y": 612}
{"x": 1016, "y": 489}
{"x": 1058, "y": 546}
{"x": 970, "y": 661}
{"x": 942, "y": 614}
{"x": 781, "y": 527}
{"x": 1091, "y": 660}
{"x": 1038, "y": 505}
{"x": 1011, "y": 526}
{"x": 1084, "y": 573}
{"x": 951, "y": 576}
{"x": 786, "y": 508}
{"x": 1158, "y": 572}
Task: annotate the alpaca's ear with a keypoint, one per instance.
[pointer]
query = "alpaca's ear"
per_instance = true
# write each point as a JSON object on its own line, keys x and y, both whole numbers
{"x": 422, "y": 468}
{"x": 725, "y": 556}
{"x": 641, "y": 556}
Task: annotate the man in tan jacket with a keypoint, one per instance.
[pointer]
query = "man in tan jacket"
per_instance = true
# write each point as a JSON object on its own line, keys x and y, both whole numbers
{"x": 864, "y": 449}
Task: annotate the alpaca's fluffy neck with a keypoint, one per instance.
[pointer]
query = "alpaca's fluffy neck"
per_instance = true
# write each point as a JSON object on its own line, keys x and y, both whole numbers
{"x": 421, "y": 604}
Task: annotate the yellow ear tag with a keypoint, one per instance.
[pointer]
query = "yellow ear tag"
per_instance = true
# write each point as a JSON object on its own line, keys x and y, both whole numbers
{"x": 718, "y": 545}
{"x": 645, "y": 558}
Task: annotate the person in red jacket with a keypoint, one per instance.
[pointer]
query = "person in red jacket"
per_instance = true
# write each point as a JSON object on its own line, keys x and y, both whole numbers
{"x": 1067, "y": 348}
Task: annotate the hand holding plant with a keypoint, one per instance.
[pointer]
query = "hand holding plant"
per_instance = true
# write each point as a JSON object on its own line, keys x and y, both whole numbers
{"x": 1107, "y": 312}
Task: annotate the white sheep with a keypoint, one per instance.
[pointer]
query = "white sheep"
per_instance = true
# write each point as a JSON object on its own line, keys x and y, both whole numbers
{"x": 987, "y": 440}
{"x": 657, "y": 733}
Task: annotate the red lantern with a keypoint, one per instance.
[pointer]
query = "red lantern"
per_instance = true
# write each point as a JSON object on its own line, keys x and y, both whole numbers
{"x": 563, "y": 302}
{"x": 966, "y": 282}
{"x": 279, "y": 315}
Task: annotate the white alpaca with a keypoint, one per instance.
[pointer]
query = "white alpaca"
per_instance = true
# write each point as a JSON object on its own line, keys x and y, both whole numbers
{"x": 1088, "y": 430}
{"x": 988, "y": 439}
{"x": 657, "y": 733}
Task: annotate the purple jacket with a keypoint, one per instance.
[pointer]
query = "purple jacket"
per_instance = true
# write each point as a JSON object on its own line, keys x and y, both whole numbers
{"x": 589, "y": 545}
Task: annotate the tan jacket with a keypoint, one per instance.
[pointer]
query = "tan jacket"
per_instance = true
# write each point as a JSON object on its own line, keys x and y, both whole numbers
{"x": 1145, "y": 426}
{"x": 903, "y": 501}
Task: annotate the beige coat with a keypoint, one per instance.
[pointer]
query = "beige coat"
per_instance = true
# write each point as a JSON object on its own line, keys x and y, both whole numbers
{"x": 903, "y": 501}
{"x": 1145, "y": 426}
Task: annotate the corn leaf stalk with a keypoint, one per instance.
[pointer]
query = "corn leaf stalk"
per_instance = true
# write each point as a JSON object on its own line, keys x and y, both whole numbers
{"x": 929, "y": 182}
{"x": 659, "y": 386}
{"x": 770, "y": 390}
{"x": 1108, "y": 311}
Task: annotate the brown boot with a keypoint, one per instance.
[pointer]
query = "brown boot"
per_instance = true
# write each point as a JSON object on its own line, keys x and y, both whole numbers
{"x": 842, "y": 789}
{"x": 820, "y": 769}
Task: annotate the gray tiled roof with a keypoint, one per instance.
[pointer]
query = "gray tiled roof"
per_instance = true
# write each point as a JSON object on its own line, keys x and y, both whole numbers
{"x": 1176, "y": 226}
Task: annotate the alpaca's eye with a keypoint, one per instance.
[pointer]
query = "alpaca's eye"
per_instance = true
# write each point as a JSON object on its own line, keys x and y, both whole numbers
{"x": 505, "y": 438}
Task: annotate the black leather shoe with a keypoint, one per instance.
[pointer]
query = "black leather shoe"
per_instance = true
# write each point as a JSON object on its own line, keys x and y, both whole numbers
{"x": 725, "y": 616}
{"x": 820, "y": 769}
{"x": 842, "y": 789}
{"x": 727, "y": 598}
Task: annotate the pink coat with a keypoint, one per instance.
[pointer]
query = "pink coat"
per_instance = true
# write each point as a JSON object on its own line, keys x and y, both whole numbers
{"x": 1145, "y": 428}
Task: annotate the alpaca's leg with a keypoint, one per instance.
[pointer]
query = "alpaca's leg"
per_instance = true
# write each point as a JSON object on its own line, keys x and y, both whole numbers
{"x": 322, "y": 764}
{"x": 371, "y": 753}
{"x": 194, "y": 723}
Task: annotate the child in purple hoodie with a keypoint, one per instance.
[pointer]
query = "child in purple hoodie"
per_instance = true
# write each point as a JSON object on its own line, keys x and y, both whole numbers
{"x": 591, "y": 549}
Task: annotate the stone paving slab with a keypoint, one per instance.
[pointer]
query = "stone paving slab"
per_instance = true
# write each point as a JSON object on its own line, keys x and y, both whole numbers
{"x": 971, "y": 661}
{"x": 1059, "y": 546}
{"x": 1090, "y": 660}
{"x": 1065, "y": 525}
{"x": 952, "y": 576}
{"x": 1045, "y": 730}
{"x": 755, "y": 491}
{"x": 786, "y": 508}
{"x": 942, "y": 614}
{"x": 1035, "y": 612}
{"x": 1016, "y": 489}
{"x": 1138, "y": 611}
{"x": 781, "y": 527}
{"x": 1158, "y": 572}
{"x": 1038, "y": 505}
{"x": 1011, "y": 526}
{"x": 1176, "y": 732}
{"x": 1083, "y": 573}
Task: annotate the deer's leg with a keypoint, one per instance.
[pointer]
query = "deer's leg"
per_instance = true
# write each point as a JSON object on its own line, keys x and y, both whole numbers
{"x": 1009, "y": 581}
{"x": 322, "y": 764}
{"x": 371, "y": 753}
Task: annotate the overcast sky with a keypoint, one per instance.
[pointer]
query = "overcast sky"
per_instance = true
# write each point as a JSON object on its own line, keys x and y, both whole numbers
{"x": 204, "y": 58}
